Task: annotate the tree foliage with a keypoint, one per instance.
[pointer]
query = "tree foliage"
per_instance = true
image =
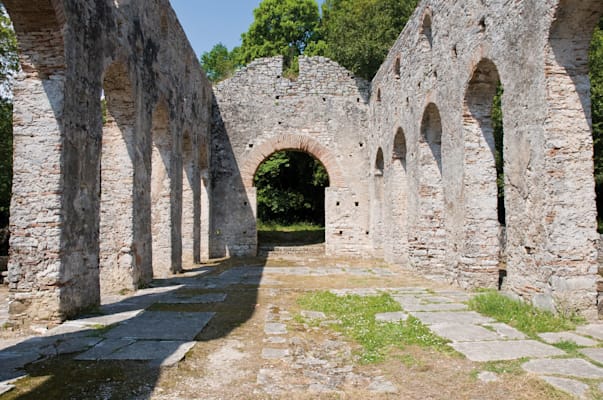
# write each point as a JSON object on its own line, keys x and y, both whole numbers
{"x": 596, "y": 79}
{"x": 8, "y": 65}
{"x": 219, "y": 63}
{"x": 359, "y": 33}
{"x": 290, "y": 188}
{"x": 280, "y": 27}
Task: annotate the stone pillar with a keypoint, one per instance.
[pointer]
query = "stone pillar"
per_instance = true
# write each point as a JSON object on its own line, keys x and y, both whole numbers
{"x": 36, "y": 260}
{"x": 161, "y": 193}
{"x": 205, "y": 215}
{"x": 190, "y": 203}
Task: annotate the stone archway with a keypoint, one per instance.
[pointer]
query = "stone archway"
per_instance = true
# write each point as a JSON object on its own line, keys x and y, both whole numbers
{"x": 292, "y": 142}
{"x": 313, "y": 148}
{"x": 481, "y": 246}
{"x": 60, "y": 153}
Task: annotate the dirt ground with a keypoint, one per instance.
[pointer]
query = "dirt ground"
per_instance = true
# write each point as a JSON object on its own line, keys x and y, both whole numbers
{"x": 232, "y": 358}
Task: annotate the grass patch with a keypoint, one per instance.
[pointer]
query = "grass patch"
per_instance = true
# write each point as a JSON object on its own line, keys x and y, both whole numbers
{"x": 357, "y": 316}
{"x": 511, "y": 367}
{"x": 522, "y": 316}
{"x": 569, "y": 347}
{"x": 295, "y": 234}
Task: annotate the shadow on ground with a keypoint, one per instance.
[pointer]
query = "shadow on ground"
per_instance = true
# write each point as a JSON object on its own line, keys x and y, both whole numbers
{"x": 297, "y": 238}
{"x": 155, "y": 327}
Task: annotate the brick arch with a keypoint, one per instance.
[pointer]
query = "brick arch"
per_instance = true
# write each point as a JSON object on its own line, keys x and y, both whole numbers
{"x": 292, "y": 142}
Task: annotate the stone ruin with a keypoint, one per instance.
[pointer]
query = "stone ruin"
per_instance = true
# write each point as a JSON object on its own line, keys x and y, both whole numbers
{"x": 128, "y": 163}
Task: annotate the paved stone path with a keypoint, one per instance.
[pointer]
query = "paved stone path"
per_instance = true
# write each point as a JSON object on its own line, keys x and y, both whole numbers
{"x": 132, "y": 328}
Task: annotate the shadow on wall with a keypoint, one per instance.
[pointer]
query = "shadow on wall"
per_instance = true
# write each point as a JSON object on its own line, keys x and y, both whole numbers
{"x": 85, "y": 358}
{"x": 233, "y": 230}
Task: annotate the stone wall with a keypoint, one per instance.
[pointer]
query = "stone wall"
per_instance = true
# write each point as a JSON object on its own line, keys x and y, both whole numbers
{"x": 105, "y": 201}
{"x": 82, "y": 212}
{"x": 436, "y": 88}
{"x": 322, "y": 112}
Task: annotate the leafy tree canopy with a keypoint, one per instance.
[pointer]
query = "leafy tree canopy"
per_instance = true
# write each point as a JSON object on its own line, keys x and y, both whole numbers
{"x": 359, "y": 33}
{"x": 282, "y": 27}
{"x": 596, "y": 79}
{"x": 218, "y": 63}
{"x": 9, "y": 64}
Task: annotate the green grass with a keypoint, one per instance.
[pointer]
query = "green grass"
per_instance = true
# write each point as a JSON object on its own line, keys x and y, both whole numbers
{"x": 569, "y": 347}
{"x": 357, "y": 316}
{"x": 299, "y": 233}
{"x": 520, "y": 315}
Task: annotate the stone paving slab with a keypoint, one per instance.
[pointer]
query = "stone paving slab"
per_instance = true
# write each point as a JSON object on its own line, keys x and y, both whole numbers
{"x": 101, "y": 320}
{"x": 274, "y": 328}
{"x": 461, "y": 317}
{"x": 576, "y": 388}
{"x": 506, "y": 331}
{"x": 594, "y": 354}
{"x": 593, "y": 330}
{"x": 487, "y": 377}
{"x": 464, "y": 332}
{"x": 163, "y": 353}
{"x": 162, "y": 325}
{"x": 13, "y": 363}
{"x": 429, "y": 307}
{"x": 104, "y": 349}
{"x": 557, "y": 337}
{"x": 505, "y": 350}
{"x": 5, "y": 388}
{"x": 574, "y": 367}
{"x": 391, "y": 317}
{"x": 313, "y": 314}
{"x": 200, "y": 299}
{"x": 274, "y": 354}
{"x": 69, "y": 346}
{"x": 431, "y": 299}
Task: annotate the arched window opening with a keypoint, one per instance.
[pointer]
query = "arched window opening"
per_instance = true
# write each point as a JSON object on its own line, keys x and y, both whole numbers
{"x": 291, "y": 199}
{"x": 431, "y": 134}
{"x": 397, "y": 68}
{"x": 399, "y": 153}
{"x": 378, "y": 95}
{"x": 379, "y": 163}
{"x": 426, "y": 30}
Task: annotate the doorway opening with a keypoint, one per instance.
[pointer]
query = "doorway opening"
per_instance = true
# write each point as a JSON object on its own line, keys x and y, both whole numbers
{"x": 291, "y": 199}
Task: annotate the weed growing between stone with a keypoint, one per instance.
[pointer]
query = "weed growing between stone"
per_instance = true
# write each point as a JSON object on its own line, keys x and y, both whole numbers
{"x": 357, "y": 316}
{"x": 522, "y": 316}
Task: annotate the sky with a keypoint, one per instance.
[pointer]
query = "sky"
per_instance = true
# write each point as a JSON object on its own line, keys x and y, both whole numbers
{"x": 209, "y": 22}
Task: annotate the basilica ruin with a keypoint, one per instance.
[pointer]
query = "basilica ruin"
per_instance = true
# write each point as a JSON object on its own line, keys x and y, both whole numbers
{"x": 107, "y": 199}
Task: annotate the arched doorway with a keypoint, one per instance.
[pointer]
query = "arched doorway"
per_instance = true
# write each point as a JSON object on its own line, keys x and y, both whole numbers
{"x": 290, "y": 191}
{"x": 570, "y": 211}
{"x": 377, "y": 206}
{"x": 397, "y": 202}
{"x": 427, "y": 245}
{"x": 484, "y": 214}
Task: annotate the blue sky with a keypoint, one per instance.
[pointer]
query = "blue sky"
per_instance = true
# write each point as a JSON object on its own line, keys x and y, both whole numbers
{"x": 208, "y": 22}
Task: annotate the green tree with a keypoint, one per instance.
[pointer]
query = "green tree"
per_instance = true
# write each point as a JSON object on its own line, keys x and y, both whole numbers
{"x": 219, "y": 63}
{"x": 290, "y": 188}
{"x": 9, "y": 63}
{"x": 280, "y": 27}
{"x": 596, "y": 79}
{"x": 358, "y": 34}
